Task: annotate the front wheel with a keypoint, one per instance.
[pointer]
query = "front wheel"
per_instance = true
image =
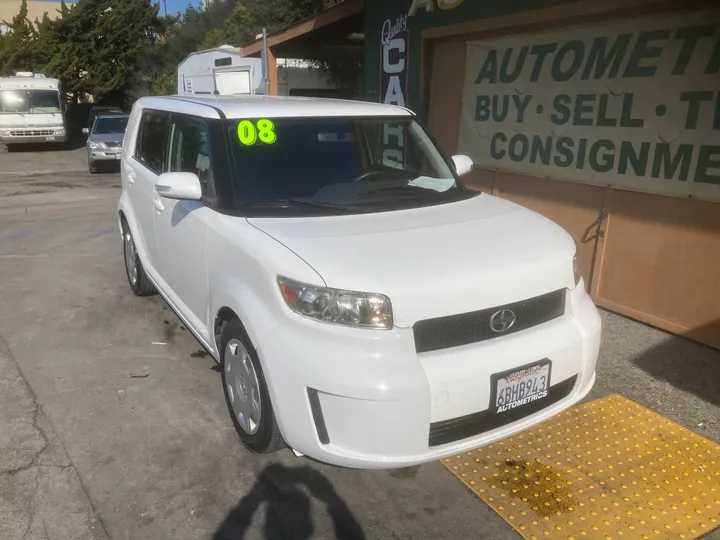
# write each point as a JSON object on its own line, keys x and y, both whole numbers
{"x": 139, "y": 282}
{"x": 246, "y": 392}
{"x": 92, "y": 167}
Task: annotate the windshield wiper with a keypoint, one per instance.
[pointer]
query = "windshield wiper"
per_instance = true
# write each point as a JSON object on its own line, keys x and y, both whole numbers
{"x": 309, "y": 202}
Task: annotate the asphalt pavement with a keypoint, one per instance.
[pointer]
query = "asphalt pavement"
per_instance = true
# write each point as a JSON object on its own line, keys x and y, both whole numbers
{"x": 113, "y": 423}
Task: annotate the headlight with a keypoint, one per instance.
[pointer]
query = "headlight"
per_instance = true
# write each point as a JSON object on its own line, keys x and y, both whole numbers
{"x": 576, "y": 267}
{"x": 4, "y": 133}
{"x": 95, "y": 145}
{"x": 334, "y": 306}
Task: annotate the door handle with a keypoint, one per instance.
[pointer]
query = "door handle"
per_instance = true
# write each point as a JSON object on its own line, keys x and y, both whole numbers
{"x": 158, "y": 203}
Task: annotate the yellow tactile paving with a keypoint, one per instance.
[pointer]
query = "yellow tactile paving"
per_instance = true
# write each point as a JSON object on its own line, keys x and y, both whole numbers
{"x": 609, "y": 469}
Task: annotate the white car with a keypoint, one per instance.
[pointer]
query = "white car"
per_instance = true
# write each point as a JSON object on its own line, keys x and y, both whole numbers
{"x": 367, "y": 310}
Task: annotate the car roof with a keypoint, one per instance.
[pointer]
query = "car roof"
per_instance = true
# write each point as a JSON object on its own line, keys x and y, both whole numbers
{"x": 235, "y": 107}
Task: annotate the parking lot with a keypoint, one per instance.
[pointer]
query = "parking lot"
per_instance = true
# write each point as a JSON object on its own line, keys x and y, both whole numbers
{"x": 113, "y": 423}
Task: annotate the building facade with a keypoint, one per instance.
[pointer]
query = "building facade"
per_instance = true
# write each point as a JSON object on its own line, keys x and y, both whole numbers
{"x": 36, "y": 11}
{"x": 603, "y": 115}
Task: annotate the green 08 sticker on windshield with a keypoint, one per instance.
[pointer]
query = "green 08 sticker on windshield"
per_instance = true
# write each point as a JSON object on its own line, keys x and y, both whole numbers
{"x": 249, "y": 132}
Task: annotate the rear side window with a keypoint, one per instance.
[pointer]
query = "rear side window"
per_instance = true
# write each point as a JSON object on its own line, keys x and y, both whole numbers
{"x": 150, "y": 149}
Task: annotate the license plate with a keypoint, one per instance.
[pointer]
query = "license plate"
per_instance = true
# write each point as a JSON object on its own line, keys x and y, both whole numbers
{"x": 520, "y": 386}
{"x": 49, "y": 138}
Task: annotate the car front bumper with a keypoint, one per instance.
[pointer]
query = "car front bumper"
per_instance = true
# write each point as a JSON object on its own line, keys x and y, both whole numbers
{"x": 366, "y": 399}
{"x": 112, "y": 154}
{"x": 32, "y": 138}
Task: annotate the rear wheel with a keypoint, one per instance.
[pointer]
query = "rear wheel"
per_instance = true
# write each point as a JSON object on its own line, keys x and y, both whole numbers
{"x": 139, "y": 282}
{"x": 246, "y": 392}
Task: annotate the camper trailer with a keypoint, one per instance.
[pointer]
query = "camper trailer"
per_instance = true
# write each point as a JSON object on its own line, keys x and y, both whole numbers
{"x": 225, "y": 72}
{"x": 31, "y": 110}
{"x": 222, "y": 71}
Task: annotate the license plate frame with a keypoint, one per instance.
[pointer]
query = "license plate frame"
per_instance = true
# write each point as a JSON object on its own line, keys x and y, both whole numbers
{"x": 50, "y": 138}
{"x": 539, "y": 365}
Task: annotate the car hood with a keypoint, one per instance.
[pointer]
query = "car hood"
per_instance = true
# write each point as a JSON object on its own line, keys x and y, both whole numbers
{"x": 107, "y": 137}
{"x": 436, "y": 261}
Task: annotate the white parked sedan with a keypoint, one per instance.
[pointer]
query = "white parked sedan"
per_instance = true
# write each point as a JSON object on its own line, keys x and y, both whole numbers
{"x": 367, "y": 309}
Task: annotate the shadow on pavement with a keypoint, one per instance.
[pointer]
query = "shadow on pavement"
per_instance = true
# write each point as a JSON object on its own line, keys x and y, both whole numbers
{"x": 687, "y": 365}
{"x": 288, "y": 513}
{"x": 72, "y": 144}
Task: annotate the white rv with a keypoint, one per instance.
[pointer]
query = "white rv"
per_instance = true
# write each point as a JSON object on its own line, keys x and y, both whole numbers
{"x": 31, "y": 110}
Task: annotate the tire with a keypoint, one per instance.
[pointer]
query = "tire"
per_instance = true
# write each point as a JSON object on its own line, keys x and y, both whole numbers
{"x": 92, "y": 167}
{"x": 138, "y": 280}
{"x": 258, "y": 431}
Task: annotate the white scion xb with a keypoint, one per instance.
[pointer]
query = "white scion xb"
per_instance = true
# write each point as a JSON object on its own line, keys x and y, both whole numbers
{"x": 366, "y": 308}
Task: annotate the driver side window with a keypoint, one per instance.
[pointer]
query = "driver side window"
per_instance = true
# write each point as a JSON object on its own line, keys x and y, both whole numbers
{"x": 190, "y": 151}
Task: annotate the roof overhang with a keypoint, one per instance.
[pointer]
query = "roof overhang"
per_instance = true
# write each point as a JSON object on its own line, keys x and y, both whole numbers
{"x": 337, "y": 30}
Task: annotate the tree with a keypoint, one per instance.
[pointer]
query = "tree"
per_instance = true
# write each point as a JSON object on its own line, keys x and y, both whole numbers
{"x": 238, "y": 28}
{"x": 44, "y": 43}
{"x": 17, "y": 53}
{"x": 103, "y": 43}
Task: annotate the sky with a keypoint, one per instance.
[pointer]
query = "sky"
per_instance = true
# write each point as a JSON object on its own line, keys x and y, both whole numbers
{"x": 173, "y": 6}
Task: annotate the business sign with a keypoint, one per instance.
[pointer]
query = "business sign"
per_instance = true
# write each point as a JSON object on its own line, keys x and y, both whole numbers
{"x": 394, "y": 66}
{"x": 429, "y": 5}
{"x": 633, "y": 104}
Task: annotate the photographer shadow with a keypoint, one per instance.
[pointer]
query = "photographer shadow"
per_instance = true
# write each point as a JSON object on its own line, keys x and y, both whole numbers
{"x": 288, "y": 513}
{"x": 687, "y": 365}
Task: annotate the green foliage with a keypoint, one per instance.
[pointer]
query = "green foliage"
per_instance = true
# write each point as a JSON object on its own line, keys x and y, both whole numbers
{"x": 103, "y": 42}
{"x": 238, "y": 28}
{"x": 164, "y": 83}
{"x": 17, "y": 53}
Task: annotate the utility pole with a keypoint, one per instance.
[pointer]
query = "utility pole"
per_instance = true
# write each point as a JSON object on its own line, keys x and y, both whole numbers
{"x": 165, "y": 6}
{"x": 265, "y": 62}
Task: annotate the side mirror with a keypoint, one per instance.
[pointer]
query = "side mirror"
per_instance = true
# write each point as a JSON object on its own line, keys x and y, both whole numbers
{"x": 179, "y": 185}
{"x": 463, "y": 164}
{"x": 86, "y": 131}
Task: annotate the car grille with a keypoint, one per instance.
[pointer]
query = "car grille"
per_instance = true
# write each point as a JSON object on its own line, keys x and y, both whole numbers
{"x": 463, "y": 427}
{"x": 467, "y": 328}
{"x": 34, "y": 133}
{"x": 113, "y": 144}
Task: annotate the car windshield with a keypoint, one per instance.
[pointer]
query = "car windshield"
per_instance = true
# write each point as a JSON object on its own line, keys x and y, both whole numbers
{"x": 105, "y": 126}
{"x": 359, "y": 164}
{"x": 30, "y": 101}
